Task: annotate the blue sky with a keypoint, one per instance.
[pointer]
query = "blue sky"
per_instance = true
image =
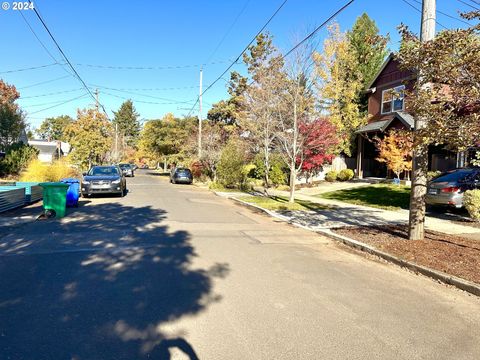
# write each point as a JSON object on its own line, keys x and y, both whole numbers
{"x": 160, "y": 34}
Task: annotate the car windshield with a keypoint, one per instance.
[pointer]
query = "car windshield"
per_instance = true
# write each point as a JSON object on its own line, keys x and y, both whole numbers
{"x": 103, "y": 171}
{"x": 124, "y": 166}
{"x": 183, "y": 171}
{"x": 456, "y": 175}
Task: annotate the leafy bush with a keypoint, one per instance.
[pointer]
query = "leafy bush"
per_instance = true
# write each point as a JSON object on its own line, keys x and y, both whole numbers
{"x": 230, "y": 166}
{"x": 278, "y": 169}
{"x": 216, "y": 186}
{"x": 17, "y": 158}
{"x": 38, "y": 171}
{"x": 345, "y": 175}
{"x": 331, "y": 176}
{"x": 433, "y": 174}
{"x": 471, "y": 201}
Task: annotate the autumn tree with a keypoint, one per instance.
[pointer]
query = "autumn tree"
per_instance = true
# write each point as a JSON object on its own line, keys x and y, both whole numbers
{"x": 11, "y": 117}
{"x": 214, "y": 138}
{"x": 395, "y": 150}
{"x": 167, "y": 138}
{"x": 319, "y": 146}
{"x": 90, "y": 136}
{"x": 339, "y": 84}
{"x": 445, "y": 100}
{"x": 53, "y": 128}
{"x": 263, "y": 97}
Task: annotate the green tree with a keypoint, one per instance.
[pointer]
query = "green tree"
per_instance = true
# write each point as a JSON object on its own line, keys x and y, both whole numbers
{"x": 370, "y": 49}
{"x": 168, "y": 137}
{"x": 126, "y": 120}
{"x": 229, "y": 111}
{"x": 90, "y": 137}
{"x": 231, "y": 162}
{"x": 17, "y": 158}
{"x": 11, "y": 117}
{"x": 54, "y": 128}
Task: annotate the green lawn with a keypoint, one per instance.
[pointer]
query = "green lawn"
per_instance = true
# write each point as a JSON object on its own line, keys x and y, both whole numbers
{"x": 384, "y": 196}
{"x": 281, "y": 203}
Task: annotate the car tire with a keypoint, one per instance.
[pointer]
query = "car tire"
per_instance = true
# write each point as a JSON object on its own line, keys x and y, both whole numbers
{"x": 85, "y": 195}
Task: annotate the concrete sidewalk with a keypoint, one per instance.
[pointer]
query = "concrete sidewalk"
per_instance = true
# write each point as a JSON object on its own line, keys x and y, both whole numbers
{"x": 341, "y": 214}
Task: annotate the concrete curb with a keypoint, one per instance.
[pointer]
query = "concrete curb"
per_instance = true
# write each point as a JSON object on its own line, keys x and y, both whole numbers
{"x": 462, "y": 284}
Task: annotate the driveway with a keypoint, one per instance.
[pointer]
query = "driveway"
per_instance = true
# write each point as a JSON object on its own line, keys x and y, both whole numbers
{"x": 175, "y": 272}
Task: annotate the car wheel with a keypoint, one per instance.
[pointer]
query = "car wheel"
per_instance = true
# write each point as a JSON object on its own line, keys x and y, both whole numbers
{"x": 85, "y": 195}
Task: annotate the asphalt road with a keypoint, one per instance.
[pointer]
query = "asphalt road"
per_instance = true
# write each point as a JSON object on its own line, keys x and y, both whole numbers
{"x": 174, "y": 272}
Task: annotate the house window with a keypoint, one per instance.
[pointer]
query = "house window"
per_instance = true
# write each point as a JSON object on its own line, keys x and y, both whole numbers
{"x": 392, "y": 99}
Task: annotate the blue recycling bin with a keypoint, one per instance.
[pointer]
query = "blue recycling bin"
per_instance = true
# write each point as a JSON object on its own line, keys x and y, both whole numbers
{"x": 73, "y": 192}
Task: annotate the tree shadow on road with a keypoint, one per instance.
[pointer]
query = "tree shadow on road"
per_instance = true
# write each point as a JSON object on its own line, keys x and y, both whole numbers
{"x": 101, "y": 285}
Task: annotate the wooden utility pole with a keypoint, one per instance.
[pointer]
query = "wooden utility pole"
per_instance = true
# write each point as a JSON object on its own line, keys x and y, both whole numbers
{"x": 200, "y": 117}
{"x": 97, "y": 106}
{"x": 416, "y": 225}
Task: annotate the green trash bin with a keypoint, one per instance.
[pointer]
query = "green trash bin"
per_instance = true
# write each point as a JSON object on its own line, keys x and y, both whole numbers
{"x": 55, "y": 197}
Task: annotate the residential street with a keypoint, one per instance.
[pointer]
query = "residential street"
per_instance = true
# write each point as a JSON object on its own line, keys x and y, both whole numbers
{"x": 175, "y": 272}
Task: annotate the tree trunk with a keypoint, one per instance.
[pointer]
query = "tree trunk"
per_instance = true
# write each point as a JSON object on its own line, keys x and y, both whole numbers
{"x": 293, "y": 176}
{"x": 416, "y": 225}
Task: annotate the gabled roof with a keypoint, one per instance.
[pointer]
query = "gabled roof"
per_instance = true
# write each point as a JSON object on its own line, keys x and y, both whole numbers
{"x": 405, "y": 118}
{"x": 384, "y": 65}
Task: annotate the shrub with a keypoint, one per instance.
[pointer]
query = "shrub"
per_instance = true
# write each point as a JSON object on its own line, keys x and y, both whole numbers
{"x": 230, "y": 165}
{"x": 331, "y": 176}
{"x": 216, "y": 186}
{"x": 38, "y": 171}
{"x": 345, "y": 175}
{"x": 17, "y": 158}
{"x": 278, "y": 169}
{"x": 471, "y": 201}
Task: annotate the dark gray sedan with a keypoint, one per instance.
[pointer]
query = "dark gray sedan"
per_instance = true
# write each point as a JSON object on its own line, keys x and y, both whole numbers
{"x": 104, "y": 180}
{"x": 181, "y": 176}
{"x": 448, "y": 188}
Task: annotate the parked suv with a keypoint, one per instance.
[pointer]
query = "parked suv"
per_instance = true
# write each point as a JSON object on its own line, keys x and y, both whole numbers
{"x": 181, "y": 176}
{"x": 128, "y": 169}
{"x": 448, "y": 188}
{"x": 104, "y": 180}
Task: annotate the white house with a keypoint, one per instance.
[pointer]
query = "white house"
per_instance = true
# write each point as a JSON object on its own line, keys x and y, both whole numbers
{"x": 50, "y": 150}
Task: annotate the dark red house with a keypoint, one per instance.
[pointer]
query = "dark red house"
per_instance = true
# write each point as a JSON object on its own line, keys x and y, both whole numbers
{"x": 387, "y": 107}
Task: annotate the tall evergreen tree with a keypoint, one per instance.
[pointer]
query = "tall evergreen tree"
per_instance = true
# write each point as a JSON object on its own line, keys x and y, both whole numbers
{"x": 128, "y": 126}
{"x": 369, "y": 49}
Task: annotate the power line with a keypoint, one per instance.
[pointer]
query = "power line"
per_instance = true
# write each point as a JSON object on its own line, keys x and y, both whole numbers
{"x": 148, "y": 89}
{"x": 468, "y": 4}
{"x": 420, "y": 11}
{"x": 165, "y": 67}
{"x": 448, "y": 15}
{"x": 239, "y": 56}
{"x": 43, "y": 104}
{"x": 229, "y": 29}
{"x": 43, "y": 82}
{"x": 66, "y": 58}
{"x": 65, "y": 102}
{"x": 138, "y": 94}
{"x": 29, "y": 68}
{"x": 146, "y": 102}
{"x": 41, "y": 43}
{"x": 49, "y": 94}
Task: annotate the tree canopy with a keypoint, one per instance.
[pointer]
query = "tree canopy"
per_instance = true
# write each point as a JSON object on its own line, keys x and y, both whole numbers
{"x": 53, "y": 128}
{"x": 126, "y": 119}
{"x": 11, "y": 118}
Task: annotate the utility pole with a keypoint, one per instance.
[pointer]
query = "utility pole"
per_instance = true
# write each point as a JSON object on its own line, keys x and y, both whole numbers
{"x": 200, "y": 117}
{"x": 96, "y": 100}
{"x": 416, "y": 224}
{"x": 116, "y": 142}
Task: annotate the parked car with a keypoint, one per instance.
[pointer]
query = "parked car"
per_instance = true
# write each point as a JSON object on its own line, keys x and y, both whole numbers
{"x": 181, "y": 175}
{"x": 448, "y": 188}
{"x": 128, "y": 169}
{"x": 103, "y": 180}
